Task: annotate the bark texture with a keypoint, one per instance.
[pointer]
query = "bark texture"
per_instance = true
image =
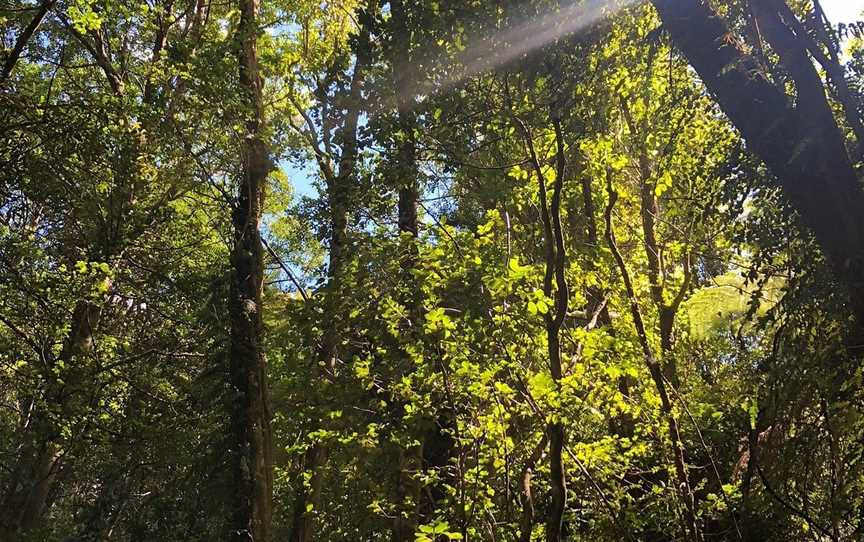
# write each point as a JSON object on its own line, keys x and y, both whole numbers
{"x": 251, "y": 462}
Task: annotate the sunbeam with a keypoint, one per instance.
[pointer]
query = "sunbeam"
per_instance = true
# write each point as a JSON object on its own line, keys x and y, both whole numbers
{"x": 512, "y": 43}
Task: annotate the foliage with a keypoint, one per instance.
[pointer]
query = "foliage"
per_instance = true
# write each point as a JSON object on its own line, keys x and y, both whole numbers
{"x": 412, "y": 390}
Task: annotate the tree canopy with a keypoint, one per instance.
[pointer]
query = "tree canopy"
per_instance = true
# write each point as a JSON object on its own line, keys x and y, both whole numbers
{"x": 417, "y": 271}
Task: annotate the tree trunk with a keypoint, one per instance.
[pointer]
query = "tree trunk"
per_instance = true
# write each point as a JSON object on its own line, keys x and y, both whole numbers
{"x": 437, "y": 448}
{"x": 690, "y": 523}
{"x": 24, "y": 38}
{"x": 43, "y": 454}
{"x": 527, "y": 522}
{"x": 306, "y": 495}
{"x": 251, "y": 462}
{"x": 557, "y": 475}
{"x": 649, "y": 211}
{"x": 554, "y": 286}
{"x": 40, "y": 457}
{"x": 340, "y": 185}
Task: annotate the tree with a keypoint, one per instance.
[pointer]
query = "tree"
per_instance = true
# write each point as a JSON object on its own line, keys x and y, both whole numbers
{"x": 800, "y": 143}
{"x": 251, "y": 444}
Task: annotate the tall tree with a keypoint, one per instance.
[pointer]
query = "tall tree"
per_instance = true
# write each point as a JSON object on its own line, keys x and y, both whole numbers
{"x": 340, "y": 172}
{"x": 689, "y": 519}
{"x": 251, "y": 442}
{"x": 406, "y": 177}
{"x": 554, "y": 288}
{"x": 129, "y": 214}
{"x": 486, "y": 369}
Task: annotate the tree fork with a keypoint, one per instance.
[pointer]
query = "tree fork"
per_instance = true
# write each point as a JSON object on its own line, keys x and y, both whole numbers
{"x": 690, "y": 523}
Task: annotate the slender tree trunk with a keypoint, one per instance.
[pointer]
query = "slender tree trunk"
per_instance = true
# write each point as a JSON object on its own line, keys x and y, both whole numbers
{"x": 685, "y": 492}
{"x": 650, "y": 213}
{"x": 558, "y": 265}
{"x": 24, "y": 38}
{"x": 251, "y": 462}
{"x": 554, "y": 286}
{"x": 557, "y": 475}
{"x": 340, "y": 185}
{"x": 526, "y": 526}
{"x": 622, "y": 424}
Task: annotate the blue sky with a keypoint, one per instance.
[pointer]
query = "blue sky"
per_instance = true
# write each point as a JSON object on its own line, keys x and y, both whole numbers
{"x": 838, "y": 11}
